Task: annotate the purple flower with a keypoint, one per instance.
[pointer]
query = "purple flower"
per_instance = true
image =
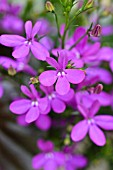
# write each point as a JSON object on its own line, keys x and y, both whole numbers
{"x": 43, "y": 122}
{"x": 22, "y": 46}
{"x": 32, "y": 107}
{"x": 83, "y": 52}
{"x": 18, "y": 65}
{"x": 61, "y": 74}
{"x": 92, "y": 124}
{"x": 55, "y": 101}
{"x": 48, "y": 159}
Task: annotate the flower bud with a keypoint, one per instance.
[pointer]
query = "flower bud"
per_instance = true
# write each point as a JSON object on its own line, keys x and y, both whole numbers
{"x": 49, "y": 6}
{"x": 89, "y": 4}
{"x": 96, "y": 32}
{"x": 34, "y": 80}
{"x": 98, "y": 89}
{"x": 11, "y": 71}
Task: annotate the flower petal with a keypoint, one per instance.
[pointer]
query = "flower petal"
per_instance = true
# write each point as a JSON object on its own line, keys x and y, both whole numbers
{"x": 43, "y": 103}
{"x": 21, "y": 51}
{"x": 96, "y": 135}
{"x": 75, "y": 76}
{"x": 94, "y": 108}
{"x": 43, "y": 122}
{"x": 79, "y": 131}
{"x": 83, "y": 110}
{"x": 28, "y": 29}
{"x": 26, "y": 91}
{"x": 63, "y": 59}
{"x": 62, "y": 86}
{"x": 104, "y": 121}
{"x": 20, "y": 106}
{"x": 50, "y": 165}
{"x": 11, "y": 40}
{"x": 7, "y": 62}
{"x": 32, "y": 114}
{"x": 39, "y": 51}
{"x": 58, "y": 106}
{"x": 38, "y": 161}
{"x": 52, "y": 62}
{"x": 48, "y": 78}
{"x": 92, "y": 50}
{"x": 36, "y": 28}
{"x": 67, "y": 97}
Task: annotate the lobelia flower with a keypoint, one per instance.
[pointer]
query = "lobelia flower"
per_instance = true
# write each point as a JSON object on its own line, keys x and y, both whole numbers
{"x": 22, "y": 46}
{"x": 73, "y": 161}
{"x": 55, "y": 101}
{"x": 62, "y": 75}
{"x": 43, "y": 122}
{"x": 92, "y": 124}
{"x": 48, "y": 159}
{"x": 19, "y": 65}
{"x": 83, "y": 97}
{"x": 32, "y": 107}
{"x": 83, "y": 51}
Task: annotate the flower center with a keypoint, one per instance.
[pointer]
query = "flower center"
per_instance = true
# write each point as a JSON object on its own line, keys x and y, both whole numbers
{"x": 51, "y": 96}
{"x": 49, "y": 155}
{"x": 91, "y": 121}
{"x": 61, "y": 74}
{"x": 34, "y": 103}
{"x": 28, "y": 41}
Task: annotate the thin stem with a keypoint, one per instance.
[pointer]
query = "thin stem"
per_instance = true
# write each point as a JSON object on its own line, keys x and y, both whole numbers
{"x": 87, "y": 32}
{"x": 58, "y": 29}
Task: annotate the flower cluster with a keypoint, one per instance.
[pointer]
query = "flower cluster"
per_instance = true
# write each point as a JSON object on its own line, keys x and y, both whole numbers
{"x": 66, "y": 89}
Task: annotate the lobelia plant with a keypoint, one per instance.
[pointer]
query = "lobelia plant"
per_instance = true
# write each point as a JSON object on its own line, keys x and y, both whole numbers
{"x": 69, "y": 63}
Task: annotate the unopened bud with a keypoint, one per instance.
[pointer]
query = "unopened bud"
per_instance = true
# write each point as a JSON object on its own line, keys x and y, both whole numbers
{"x": 96, "y": 32}
{"x": 11, "y": 71}
{"x": 98, "y": 89}
{"x": 49, "y": 6}
{"x": 89, "y": 4}
{"x": 95, "y": 90}
{"x": 34, "y": 80}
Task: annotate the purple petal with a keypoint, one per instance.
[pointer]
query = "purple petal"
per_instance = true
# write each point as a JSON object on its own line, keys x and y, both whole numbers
{"x": 79, "y": 161}
{"x": 75, "y": 76}
{"x": 52, "y": 62}
{"x": 63, "y": 59}
{"x": 32, "y": 114}
{"x": 26, "y": 91}
{"x": 67, "y": 97}
{"x": 47, "y": 90}
{"x": 21, "y": 51}
{"x": 39, "y": 51}
{"x": 50, "y": 165}
{"x": 94, "y": 108}
{"x": 59, "y": 158}
{"x": 28, "y": 29}
{"x": 36, "y": 28}
{"x": 11, "y": 40}
{"x": 38, "y": 161}
{"x": 20, "y": 106}
{"x": 43, "y": 122}
{"x": 45, "y": 145}
{"x": 62, "y": 86}
{"x": 7, "y": 62}
{"x": 43, "y": 103}
{"x": 34, "y": 91}
{"x": 83, "y": 110}
{"x": 48, "y": 78}
{"x": 104, "y": 121}
{"x": 96, "y": 135}
{"x": 58, "y": 106}
{"x": 92, "y": 50}
{"x": 79, "y": 131}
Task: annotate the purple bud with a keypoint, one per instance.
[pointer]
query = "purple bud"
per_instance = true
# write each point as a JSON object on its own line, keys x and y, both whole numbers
{"x": 98, "y": 89}
{"x": 96, "y": 32}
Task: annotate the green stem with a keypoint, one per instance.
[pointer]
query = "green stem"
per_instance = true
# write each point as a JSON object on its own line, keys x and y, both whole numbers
{"x": 58, "y": 29}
